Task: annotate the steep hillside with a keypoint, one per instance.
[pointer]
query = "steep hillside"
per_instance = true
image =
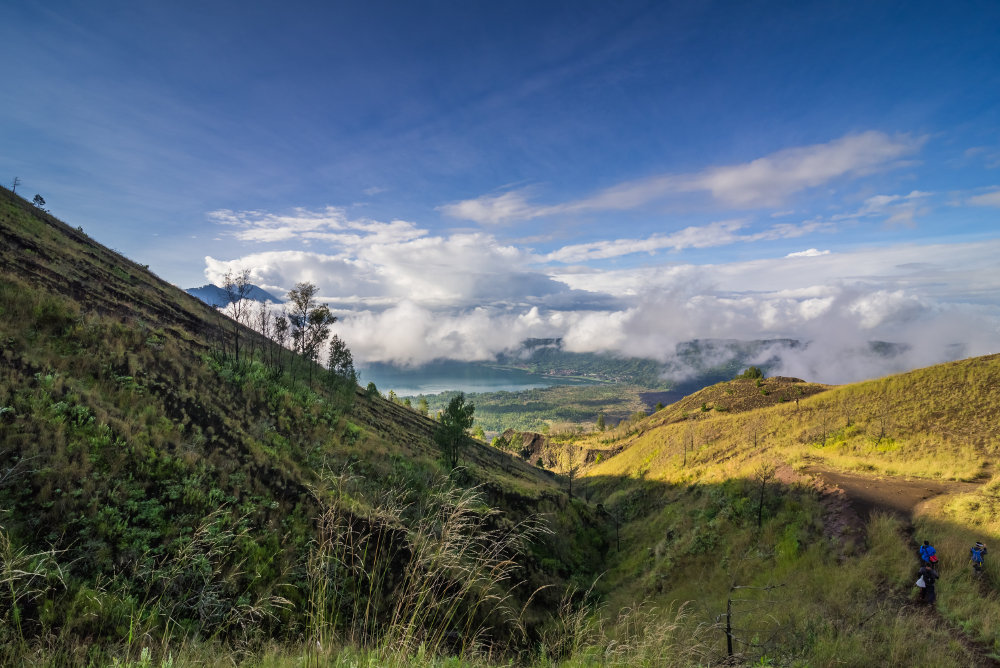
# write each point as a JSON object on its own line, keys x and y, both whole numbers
{"x": 165, "y": 503}
{"x": 154, "y": 490}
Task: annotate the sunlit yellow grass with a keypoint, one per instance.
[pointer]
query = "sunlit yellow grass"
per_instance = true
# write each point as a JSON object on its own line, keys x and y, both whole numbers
{"x": 931, "y": 423}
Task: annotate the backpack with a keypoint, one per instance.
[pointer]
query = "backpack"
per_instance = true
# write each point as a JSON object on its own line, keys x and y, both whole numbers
{"x": 977, "y": 556}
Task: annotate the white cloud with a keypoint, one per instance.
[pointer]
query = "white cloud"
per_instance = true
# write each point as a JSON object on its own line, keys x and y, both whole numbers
{"x": 810, "y": 252}
{"x": 991, "y": 198}
{"x": 766, "y": 181}
{"x": 407, "y": 296}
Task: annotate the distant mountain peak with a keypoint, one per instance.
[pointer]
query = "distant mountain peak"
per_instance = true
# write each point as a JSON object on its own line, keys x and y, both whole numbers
{"x": 213, "y": 295}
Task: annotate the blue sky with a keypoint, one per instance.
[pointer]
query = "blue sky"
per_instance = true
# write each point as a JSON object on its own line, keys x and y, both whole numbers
{"x": 456, "y": 176}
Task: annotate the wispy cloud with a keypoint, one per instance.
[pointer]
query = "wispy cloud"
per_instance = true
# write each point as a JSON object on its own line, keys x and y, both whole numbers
{"x": 991, "y": 198}
{"x": 764, "y": 182}
{"x": 496, "y": 209}
{"x": 330, "y": 224}
{"x": 705, "y": 236}
{"x": 900, "y": 210}
{"x": 768, "y": 181}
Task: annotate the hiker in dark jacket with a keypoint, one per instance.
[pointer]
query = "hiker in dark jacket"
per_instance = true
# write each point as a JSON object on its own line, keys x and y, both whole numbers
{"x": 930, "y": 576}
{"x": 928, "y": 554}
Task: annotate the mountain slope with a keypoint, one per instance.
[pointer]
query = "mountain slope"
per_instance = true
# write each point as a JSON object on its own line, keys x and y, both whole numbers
{"x": 162, "y": 503}
{"x": 153, "y": 487}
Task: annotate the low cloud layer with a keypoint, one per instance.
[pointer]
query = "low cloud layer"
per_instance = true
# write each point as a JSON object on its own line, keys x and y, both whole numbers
{"x": 408, "y": 294}
{"x": 469, "y": 297}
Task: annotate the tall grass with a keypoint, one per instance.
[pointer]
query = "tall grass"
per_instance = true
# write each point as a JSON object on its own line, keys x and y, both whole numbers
{"x": 953, "y": 524}
{"x": 439, "y": 584}
{"x": 25, "y": 577}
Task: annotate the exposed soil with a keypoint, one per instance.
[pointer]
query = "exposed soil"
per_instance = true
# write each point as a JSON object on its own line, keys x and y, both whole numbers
{"x": 900, "y": 496}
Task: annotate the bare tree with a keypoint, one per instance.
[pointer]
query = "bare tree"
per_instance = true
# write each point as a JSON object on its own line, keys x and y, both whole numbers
{"x": 824, "y": 423}
{"x": 571, "y": 467}
{"x": 848, "y": 405}
{"x": 881, "y": 421}
{"x": 280, "y": 335}
{"x": 15, "y": 184}
{"x": 16, "y": 468}
{"x": 688, "y": 438}
{"x": 755, "y": 423}
{"x": 762, "y": 475}
{"x": 262, "y": 323}
{"x": 237, "y": 287}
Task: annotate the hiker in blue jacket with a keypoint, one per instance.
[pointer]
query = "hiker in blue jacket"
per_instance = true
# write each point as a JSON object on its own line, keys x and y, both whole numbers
{"x": 977, "y": 553}
{"x": 928, "y": 554}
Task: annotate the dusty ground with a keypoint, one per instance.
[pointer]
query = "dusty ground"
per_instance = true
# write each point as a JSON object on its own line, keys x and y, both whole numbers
{"x": 900, "y": 496}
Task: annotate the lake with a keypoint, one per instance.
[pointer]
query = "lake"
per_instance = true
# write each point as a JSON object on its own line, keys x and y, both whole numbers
{"x": 445, "y": 376}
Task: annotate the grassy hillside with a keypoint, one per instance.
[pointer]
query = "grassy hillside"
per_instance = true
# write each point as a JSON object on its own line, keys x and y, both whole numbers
{"x": 740, "y": 507}
{"x": 155, "y": 493}
{"x": 163, "y": 504}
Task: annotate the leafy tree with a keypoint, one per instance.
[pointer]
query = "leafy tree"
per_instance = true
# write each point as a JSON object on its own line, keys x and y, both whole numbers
{"x": 478, "y": 433}
{"x": 310, "y": 322}
{"x": 39, "y": 202}
{"x": 302, "y": 299}
{"x": 341, "y": 362}
{"x": 600, "y": 422}
{"x": 751, "y": 373}
{"x": 450, "y": 434}
{"x": 371, "y": 391}
{"x": 422, "y": 407}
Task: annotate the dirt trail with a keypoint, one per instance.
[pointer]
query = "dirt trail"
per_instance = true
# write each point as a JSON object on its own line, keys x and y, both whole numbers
{"x": 851, "y": 498}
{"x": 900, "y": 496}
